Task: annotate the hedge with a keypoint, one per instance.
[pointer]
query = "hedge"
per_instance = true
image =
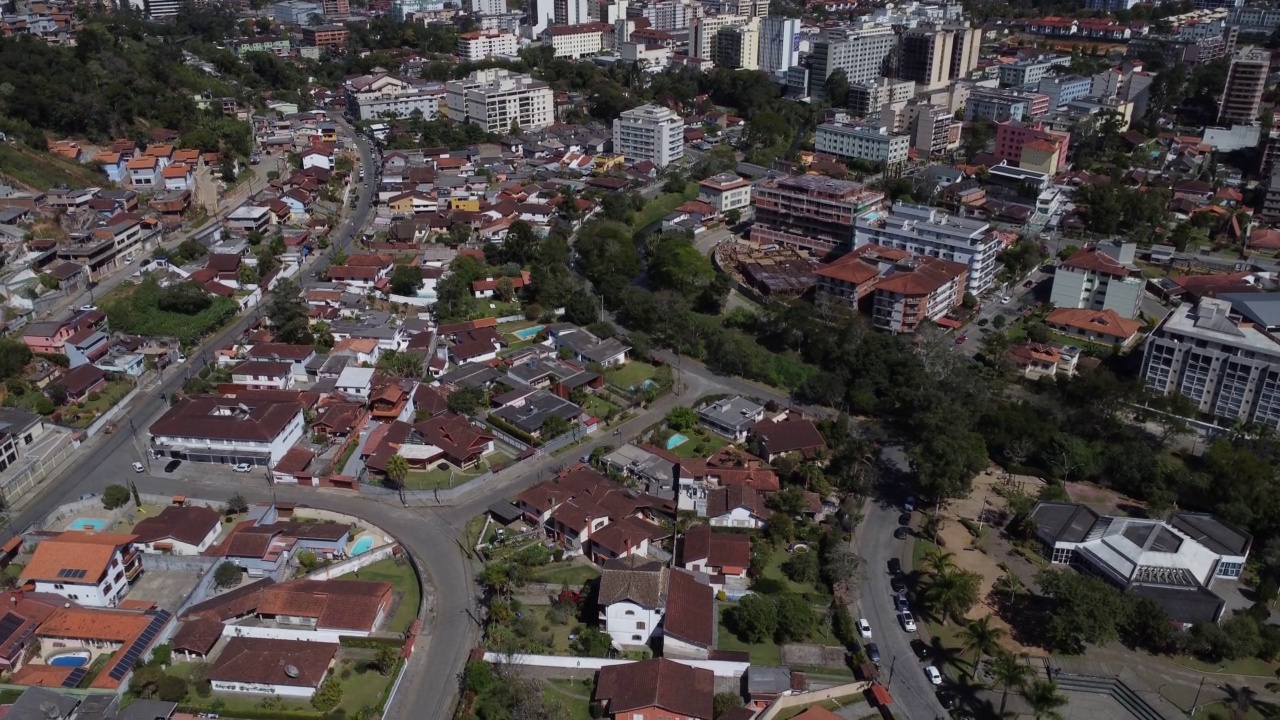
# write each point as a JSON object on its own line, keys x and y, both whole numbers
{"x": 255, "y": 714}
{"x": 386, "y": 696}
{"x": 369, "y": 643}
{"x": 510, "y": 429}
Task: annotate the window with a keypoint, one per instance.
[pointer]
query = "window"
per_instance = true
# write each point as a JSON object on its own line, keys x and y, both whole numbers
{"x": 629, "y": 612}
{"x": 640, "y": 625}
{"x": 1230, "y": 569}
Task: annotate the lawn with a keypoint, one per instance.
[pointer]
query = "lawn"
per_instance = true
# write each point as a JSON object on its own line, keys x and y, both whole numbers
{"x": 363, "y": 687}
{"x": 575, "y": 697}
{"x": 13, "y": 570}
{"x": 631, "y": 374}
{"x": 90, "y": 410}
{"x": 566, "y": 573}
{"x": 435, "y": 479}
{"x": 134, "y": 515}
{"x": 761, "y": 653}
{"x": 700, "y": 444}
{"x": 559, "y": 633}
{"x": 598, "y": 406}
{"x": 43, "y": 171}
{"x": 405, "y": 582}
{"x": 1244, "y": 666}
{"x": 773, "y": 574}
{"x": 491, "y": 308}
{"x": 662, "y": 205}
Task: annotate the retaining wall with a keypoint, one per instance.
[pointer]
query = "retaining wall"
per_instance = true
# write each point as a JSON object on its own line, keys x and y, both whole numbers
{"x": 720, "y": 668}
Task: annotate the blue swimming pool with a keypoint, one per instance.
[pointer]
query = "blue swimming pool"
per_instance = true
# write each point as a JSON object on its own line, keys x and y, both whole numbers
{"x": 88, "y": 524}
{"x": 642, "y": 386}
{"x": 71, "y": 659}
{"x": 676, "y": 441}
{"x": 362, "y": 545}
{"x": 528, "y": 333}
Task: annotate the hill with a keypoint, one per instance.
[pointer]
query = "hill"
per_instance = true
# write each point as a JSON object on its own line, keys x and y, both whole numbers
{"x": 41, "y": 170}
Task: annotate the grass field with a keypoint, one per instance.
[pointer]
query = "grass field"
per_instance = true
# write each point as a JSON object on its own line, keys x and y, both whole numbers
{"x": 700, "y": 444}
{"x": 773, "y": 572}
{"x": 761, "y": 653}
{"x": 43, "y": 171}
{"x": 568, "y": 573}
{"x": 660, "y": 206}
{"x": 631, "y": 374}
{"x": 598, "y": 406}
{"x": 575, "y": 697}
{"x": 438, "y": 479}
{"x": 405, "y": 584}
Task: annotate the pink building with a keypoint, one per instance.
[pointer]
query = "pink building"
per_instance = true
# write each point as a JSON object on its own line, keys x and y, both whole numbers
{"x": 49, "y": 337}
{"x": 1012, "y": 136}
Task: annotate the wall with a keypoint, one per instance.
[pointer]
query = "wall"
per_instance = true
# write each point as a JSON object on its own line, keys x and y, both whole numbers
{"x": 353, "y": 564}
{"x": 719, "y": 667}
{"x": 177, "y": 563}
{"x": 281, "y": 690}
{"x": 277, "y": 633}
{"x": 809, "y": 698}
{"x": 23, "y": 476}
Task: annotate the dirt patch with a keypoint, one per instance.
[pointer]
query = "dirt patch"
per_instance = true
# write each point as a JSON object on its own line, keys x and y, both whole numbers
{"x": 813, "y": 655}
{"x": 1102, "y": 500}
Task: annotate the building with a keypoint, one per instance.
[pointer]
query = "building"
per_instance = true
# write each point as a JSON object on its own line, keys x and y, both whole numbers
{"x": 809, "y": 212}
{"x": 737, "y": 47}
{"x": 571, "y": 12}
{"x": 779, "y": 44}
{"x": 933, "y": 55}
{"x": 1036, "y": 360}
{"x": 1030, "y": 71}
{"x": 1032, "y": 145}
{"x": 1102, "y": 277}
{"x": 633, "y": 599}
{"x": 576, "y": 41}
{"x": 499, "y": 100}
{"x": 666, "y": 15}
{"x": 488, "y": 7}
{"x": 863, "y": 54}
{"x": 230, "y": 431}
{"x": 731, "y": 417}
{"x": 407, "y": 9}
{"x": 1222, "y": 354}
{"x": 1064, "y": 89}
{"x": 1174, "y": 562}
{"x": 688, "y": 629}
{"x": 481, "y": 44}
{"x": 296, "y": 12}
{"x": 859, "y": 142}
{"x": 153, "y": 9}
{"x": 704, "y": 33}
{"x": 725, "y": 557}
{"x": 932, "y": 128}
{"x": 179, "y": 530}
{"x": 329, "y": 608}
{"x": 930, "y": 232}
{"x": 649, "y": 132}
{"x": 1246, "y": 80}
{"x": 725, "y": 192}
{"x": 786, "y": 435}
{"x": 322, "y": 36}
{"x": 919, "y": 289}
{"x": 1106, "y": 327}
{"x": 90, "y": 568}
{"x": 336, "y": 8}
{"x": 1000, "y": 105}
{"x": 866, "y": 99}
{"x": 655, "y": 688}
{"x": 18, "y": 430}
{"x": 584, "y": 347}
{"x": 283, "y": 668}
{"x": 381, "y": 95}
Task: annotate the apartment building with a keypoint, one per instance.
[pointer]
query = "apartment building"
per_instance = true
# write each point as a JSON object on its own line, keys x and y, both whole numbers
{"x": 407, "y": 9}
{"x": 296, "y": 12}
{"x": 228, "y": 431}
{"x": 1222, "y": 354}
{"x": 925, "y": 55}
{"x": 488, "y": 7}
{"x": 779, "y": 43}
{"x": 1063, "y": 89}
{"x": 930, "y": 232}
{"x": 499, "y": 99}
{"x": 1102, "y": 277}
{"x": 863, "y": 54}
{"x": 1030, "y": 71}
{"x": 866, "y": 99}
{"x": 809, "y": 212}
{"x": 704, "y": 33}
{"x": 571, "y": 12}
{"x": 861, "y": 142}
{"x": 919, "y": 290}
{"x": 576, "y": 41}
{"x": 481, "y": 44}
{"x": 324, "y": 36}
{"x": 738, "y": 46}
{"x": 1013, "y": 138}
{"x": 649, "y": 132}
{"x": 725, "y": 192}
{"x": 929, "y": 126}
{"x": 1002, "y": 104}
{"x": 1246, "y": 80}
{"x": 375, "y": 96}
{"x": 665, "y": 15}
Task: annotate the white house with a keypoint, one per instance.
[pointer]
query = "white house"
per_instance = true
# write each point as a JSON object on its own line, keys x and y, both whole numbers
{"x": 319, "y": 155}
{"x": 179, "y": 530}
{"x": 737, "y": 506}
{"x": 586, "y": 347}
{"x": 633, "y": 599}
{"x": 263, "y": 374}
{"x": 91, "y": 568}
{"x": 228, "y": 431}
{"x": 283, "y": 668}
{"x": 355, "y": 381}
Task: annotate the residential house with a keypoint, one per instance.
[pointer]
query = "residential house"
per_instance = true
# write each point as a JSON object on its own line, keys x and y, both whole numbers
{"x": 737, "y": 506}
{"x": 49, "y": 338}
{"x": 24, "y": 612}
{"x": 632, "y": 600}
{"x": 179, "y": 530}
{"x": 330, "y": 608}
{"x": 281, "y": 668}
{"x": 688, "y": 628}
{"x": 787, "y": 434}
{"x": 723, "y": 556}
{"x": 265, "y": 548}
{"x": 585, "y": 347}
{"x": 18, "y": 430}
{"x": 263, "y": 374}
{"x": 460, "y": 442}
{"x": 1100, "y": 277}
{"x": 319, "y": 155}
{"x": 296, "y": 355}
{"x": 89, "y": 568}
{"x": 528, "y": 409}
{"x": 81, "y": 382}
{"x": 179, "y": 176}
{"x": 144, "y": 172}
{"x": 732, "y": 417}
{"x": 391, "y": 398}
{"x": 1036, "y": 360}
{"x": 214, "y": 429}
{"x": 356, "y": 382}
{"x": 655, "y": 688}
{"x": 1100, "y": 326}
{"x": 195, "y": 640}
{"x": 123, "y": 636}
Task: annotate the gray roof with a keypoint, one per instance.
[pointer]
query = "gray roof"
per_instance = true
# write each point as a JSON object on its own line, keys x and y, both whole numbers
{"x": 470, "y": 375}
{"x": 37, "y": 703}
{"x": 1213, "y": 533}
{"x": 1261, "y": 308}
{"x": 736, "y": 411}
{"x": 15, "y": 421}
{"x": 1184, "y": 604}
{"x": 768, "y": 680}
{"x": 540, "y": 406}
{"x": 1062, "y": 522}
{"x": 148, "y": 710}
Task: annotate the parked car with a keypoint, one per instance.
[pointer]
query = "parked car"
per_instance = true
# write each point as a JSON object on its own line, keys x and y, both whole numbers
{"x": 983, "y": 322}
{"x": 137, "y": 467}
{"x": 87, "y": 308}
{"x": 895, "y": 566}
{"x": 901, "y": 533}
{"x": 873, "y": 653}
{"x": 88, "y": 496}
{"x": 173, "y": 465}
{"x": 900, "y": 601}
{"x": 904, "y": 519}
{"x": 947, "y": 699}
{"x": 243, "y": 468}
{"x": 910, "y": 504}
{"x": 932, "y": 673}
{"x": 1006, "y": 300}
{"x": 960, "y": 339}
{"x": 1029, "y": 283}
{"x": 864, "y": 628}
{"x": 897, "y": 583}
{"x": 908, "y": 621}
{"x": 919, "y": 647}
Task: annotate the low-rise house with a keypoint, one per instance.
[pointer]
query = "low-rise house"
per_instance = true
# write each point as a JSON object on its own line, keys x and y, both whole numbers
{"x": 737, "y": 506}
{"x": 529, "y": 409}
{"x": 24, "y": 612}
{"x": 632, "y": 600}
{"x": 214, "y": 429}
{"x": 81, "y": 382}
{"x": 655, "y": 688}
{"x": 1100, "y": 326}
{"x": 282, "y": 668}
{"x": 331, "y": 608}
{"x": 785, "y": 435}
{"x": 195, "y": 640}
{"x": 721, "y": 555}
{"x": 458, "y": 441}
{"x": 89, "y": 568}
{"x": 1036, "y": 360}
{"x": 585, "y": 347}
{"x": 18, "y": 430}
{"x": 688, "y": 627}
{"x": 49, "y": 338}
{"x": 265, "y": 548}
{"x": 263, "y": 374}
{"x": 124, "y": 635}
{"x": 179, "y": 530}
{"x": 731, "y": 417}
{"x": 625, "y": 537}
{"x": 296, "y": 355}
{"x": 356, "y": 382}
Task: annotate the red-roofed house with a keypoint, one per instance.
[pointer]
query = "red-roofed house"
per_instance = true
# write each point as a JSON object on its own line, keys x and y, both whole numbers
{"x": 719, "y": 554}
{"x": 1100, "y": 326}
{"x": 658, "y": 688}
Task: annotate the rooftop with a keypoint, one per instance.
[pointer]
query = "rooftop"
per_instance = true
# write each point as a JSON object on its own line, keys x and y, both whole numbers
{"x": 260, "y": 661}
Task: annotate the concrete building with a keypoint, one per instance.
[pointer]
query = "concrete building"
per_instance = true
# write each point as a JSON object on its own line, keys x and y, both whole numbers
{"x": 779, "y": 43}
{"x": 1013, "y": 138}
{"x": 925, "y": 56}
{"x": 375, "y": 96}
{"x": 860, "y": 142}
{"x": 481, "y": 44}
{"x": 1246, "y": 80}
{"x": 999, "y": 105}
{"x": 866, "y": 99}
{"x": 704, "y": 33}
{"x": 1063, "y": 89}
{"x": 732, "y": 417}
{"x": 406, "y": 9}
{"x": 649, "y": 132}
{"x": 1222, "y": 354}
{"x": 577, "y": 41}
{"x": 863, "y": 54}
{"x": 498, "y": 99}
{"x": 227, "y": 431}
{"x": 929, "y": 126}
{"x": 91, "y": 568}
{"x": 725, "y": 192}
{"x": 324, "y": 36}
{"x": 633, "y": 599}
{"x": 1102, "y": 277}
{"x": 1030, "y": 71}
{"x": 930, "y": 232}
{"x": 488, "y": 7}
{"x": 809, "y": 212}
{"x": 571, "y": 12}
{"x": 540, "y": 14}
{"x": 738, "y": 46}
{"x": 665, "y": 15}
{"x": 296, "y": 12}
{"x": 919, "y": 290}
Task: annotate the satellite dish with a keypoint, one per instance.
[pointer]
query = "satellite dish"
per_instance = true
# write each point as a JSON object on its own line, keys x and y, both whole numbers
{"x": 291, "y": 671}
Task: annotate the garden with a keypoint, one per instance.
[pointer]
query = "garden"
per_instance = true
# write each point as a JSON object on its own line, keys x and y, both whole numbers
{"x": 184, "y": 311}
{"x": 404, "y": 581}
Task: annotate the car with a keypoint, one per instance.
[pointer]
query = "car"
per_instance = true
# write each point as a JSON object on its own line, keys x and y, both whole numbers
{"x": 910, "y": 504}
{"x": 1029, "y": 283}
{"x": 904, "y": 519}
{"x": 920, "y": 648}
{"x": 873, "y": 653}
{"x": 983, "y": 322}
{"x": 864, "y": 628}
{"x": 900, "y": 601}
{"x": 901, "y": 533}
{"x": 947, "y": 700}
{"x": 908, "y": 621}
{"x": 932, "y": 673}
{"x": 960, "y": 339}
{"x": 1006, "y": 300}
{"x": 173, "y": 465}
{"x": 137, "y": 467}
{"x": 88, "y": 496}
{"x": 895, "y": 566}
{"x": 243, "y": 468}
{"x": 897, "y": 583}
{"x": 87, "y": 308}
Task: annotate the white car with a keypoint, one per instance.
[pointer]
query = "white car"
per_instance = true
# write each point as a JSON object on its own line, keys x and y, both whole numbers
{"x": 1006, "y": 300}
{"x": 908, "y": 622}
{"x": 864, "y": 628}
{"x": 932, "y": 673}
{"x": 137, "y": 467}
{"x": 87, "y": 308}
{"x": 244, "y": 467}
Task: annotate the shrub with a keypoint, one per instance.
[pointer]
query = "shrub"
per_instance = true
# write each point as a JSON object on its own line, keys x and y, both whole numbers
{"x": 115, "y": 496}
{"x": 95, "y": 396}
{"x": 228, "y": 575}
{"x": 328, "y": 695}
{"x": 161, "y": 654}
{"x": 171, "y": 688}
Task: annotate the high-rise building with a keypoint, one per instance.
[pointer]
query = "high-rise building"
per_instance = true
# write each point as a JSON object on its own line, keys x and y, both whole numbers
{"x": 924, "y": 56}
{"x": 154, "y": 9}
{"x": 809, "y": 212}
{"x": 750, "y": 8}
{"x": 964, "y": 49}
{"x": 480, "y": 44}
{"x": 779, "y": 43}
{"x": 738, "y": 46}
{"x": 1102, "y": 277}
{"x": 1246, "y": 80}
{"x": 860, "y": 142}
{"x": 496, "y": 99}
{"x": 405, "y": 9}
{"x": 339, "y": 8}
{"x": 931, "y": 232}
{"x": 1030, "y": 71}
{"x": 649, "y": 132}
{"x": 704, "y": 33}
{"x": 540, "y": 14}
{"x": 489, "y": 7}
{"x": 665, "y": 15}
{"x": 570, "y": 12}
{"x": 1064, "y": 89}
{"x": 866, "y": 99}
{"x": 863, "y": 54}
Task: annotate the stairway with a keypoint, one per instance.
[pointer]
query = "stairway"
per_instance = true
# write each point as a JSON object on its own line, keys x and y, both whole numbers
{"x": 1116, "y": 688}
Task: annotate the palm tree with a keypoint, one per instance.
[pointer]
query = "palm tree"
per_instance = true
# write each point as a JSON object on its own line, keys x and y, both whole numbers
{"x": 397, "y": 470}
{"x": 1010, "y": 582}
{"x": 981, "y": 638}
{"x": 1007, "y": 671}
{"x": 937, "y": 561}
{"x": 952, "y": 592}
{"x": 1044, "y": 699}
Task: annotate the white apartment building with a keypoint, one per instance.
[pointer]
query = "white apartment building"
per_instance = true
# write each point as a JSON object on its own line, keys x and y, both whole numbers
{"x": 482, "y": 44}
{"x": 488, "y": 7}
{"x": 930, "y": 232}
{"x": 649, "y": 132}
{"x": 726, "y": 191}
{"x": 738, "y": 46}
{"x": 540, "y": 13}
{"x": 374, "y": 96}
{"x": 228, "y": 431}
{"x": 873, "y": 144}
{"x": 779, "y": 43}
{"x": 704, "y": 33}
{"x": 576, "y": 41}
{"x": 1030, "y": 71}
{"x": 91, "y": 568}
{"x": 1099, "y": 278}
{"x": 497, "y": 99}
{"x": 866, "y": 99}
{"x": 864, "y": 55}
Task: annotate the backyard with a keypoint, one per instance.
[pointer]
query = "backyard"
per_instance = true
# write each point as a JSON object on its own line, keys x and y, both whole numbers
{"x": 437, "y": 479}
{"x": 399, "y": 573}
{"x": 494, "y": 308}
{"x": 98, "y": 402}
{"x": 662, "y": 205}
{"x": 566, "y": 573}
{"x": 631, "y": 374}
{"x": 598, "y": 407}
{"x": 701, "y": 443}
{"x": 575, "y": 695}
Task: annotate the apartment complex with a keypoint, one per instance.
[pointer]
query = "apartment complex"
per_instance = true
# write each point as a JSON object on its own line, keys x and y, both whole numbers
{"x": 863, "y": 54}
{"x": 1222, "y": 354}
{"x": 1030, "y": 71}
{"x": 738, "y": 46}
{"x": 930, "y": 232}
{"x": 866, "y": 99}
{"x": 933, "y": 55}
{"x": 576, "y": 41}
{"x": 809, "y": 212}
{"x": 779, "y": 43}
{"x": 481, "y": 44}
{"x": 873, "y": 144}
{"x": 704, "y": 33}
{"x": 1102, "y": 277}
{"x": 649, "y": 132}
{"x": 375, "y": 96}
{"x": 324, "y": 36}
{"x": 1031, "y": 145}
{"x": 571, "y": 12}
{"x": 499, "y": 99}
{"x": 1246, "y": 80}
{"x": 665, "y": 15}
{"x": 1001, "y": 105}
{"x": 897, "y": 289}
{"x": 725, "y": 192}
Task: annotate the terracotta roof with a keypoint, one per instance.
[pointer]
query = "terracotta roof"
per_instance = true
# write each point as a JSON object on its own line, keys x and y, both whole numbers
{"x": 339, "y": 417}
{"x": 260, "y": 661}
{"x": 629, "y": 532}
{"x": 42, "y": 675}
{"x": 1092, "y": 259}
{"x": 175, "y": 171}
{"x": 723, "y": 500}
{"x": 234, "y": 603}
{"x": 197, "y": 635}
{"x": 281, "y": 351}
{"x": 223, "y": 262}
{"x": 1032, "y": 352}
{"x": 816, "y": 712}
{"x": 454, "y": 434}
{"x": 691, "y": 614}
{"x": 142, "y": 163}
{"x": 205, "y": 416}
{"x": 430, "y": 400}
{"x": 93, "y": 624}
{"x": 189, "y": 524}
{"x": 1266, "y": 238}
{"x": 789, "y": 435}
{"x": 71, "y": 551}
{"x": 718, "y": 549}
{"x": 640, "y": 580}
{"x": 80, "y": 379}
{"x": 296, "y": 460}
{"x": 1106, "y": 322}
{"x": 925, "y": 278}
{"x": 335, "y": 604}
{"x": 672, "y": 686}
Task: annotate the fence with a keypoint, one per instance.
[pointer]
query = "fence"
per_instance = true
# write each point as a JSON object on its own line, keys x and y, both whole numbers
{"x": 351, "y": 565}
{"x": 22, "y": 480}
{"x": 278, "y": 633}
{"x": 809, "y": 698}
{"x": 720, "y": 668}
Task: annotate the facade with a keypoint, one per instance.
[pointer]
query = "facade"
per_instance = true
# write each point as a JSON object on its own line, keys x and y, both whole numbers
{"x": 228, "y": 430}
{"x": 704, "y": 33}
{"x": 91, "y": 568}
{"x": 930, "y": 232}
{"x": 324, "y": 36}
{"x": 649, "y": 132}
{"x": 283, "y": 668}
{"x": 779, "y": 43}
{"x": 867, "y": 98}
{"x": 1102, "y": 277}
{"x": 1000, "y": 105}
{"x": 1064, "y": 89}
{"x": 1013, "y": 138}
{"x": 576, "y": 41}
{"x": 481, "y": 44}
{"x": 665, "y": 15}
{"x": 375, "y": 96}
{"x": 1223, "y": 355}
{"x": 1246, "y": 80}
{"x": 498, "y": 99}
{"x": 872, "y": 144}
{"x": 406, "y": 9}
{"x": 809, "y": 212}
{"x": 738, "y": 46}
{"x": 1030, "y": 71}
{"x": 725, "y": 192}
{"x": 633, "y": 599}
{"x": 18, "y": 430}
{"x": 571, "y": 12}
{"x": 296, "y": 12}
{"x": 933, "y": 55}
{"x": 920, "y": 289}
{"x": 1098, "y": 326}
{"x": 863, "y": 54}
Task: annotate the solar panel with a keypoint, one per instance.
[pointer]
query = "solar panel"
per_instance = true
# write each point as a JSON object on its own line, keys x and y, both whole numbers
{"x": 9, "y": 624}
{"x": 74, "y": 678}
{"x": 80, "y": 573}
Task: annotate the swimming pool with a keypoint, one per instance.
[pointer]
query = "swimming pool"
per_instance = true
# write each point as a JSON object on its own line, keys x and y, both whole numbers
{"x": 642, "y": 386}
{"x": 528, "y": 333}
{"x": 362, "y": 545}
{"x": 88, "y": 524}
{"x": 78, "y": 658}
{"x": 676, "y": 441}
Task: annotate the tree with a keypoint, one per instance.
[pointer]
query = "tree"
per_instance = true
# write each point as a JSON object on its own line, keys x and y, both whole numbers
{"x": 237, "y": 504}
{"x": 553, "y": 427}
{"x": 14, "y": 356}
{"x": 836, "y": 88}
{"x": 228, "y": 575}
{"x": 289, "y": 315}
{"x": 397, "y": 471}
{"x": 682, "y": 418}
{"x": 465, "y": 401}
{"x": 801, "y": 567}
{"x": 797, "y": 620}
{"x": 754, "y": 618}
{"x": 307, "y": 561}
{"x": 980, "y": 637}
{"x": 185, "y": 298}
{"x": 171, "y": 688}
{"x": 329, "y": 695}
{"x": 1084, "y": 609}
{"x": 505, "y": 289}
{"x": 733, "y": 216}
{"x": 937, "y": 561}
{"x": 385, "y": 659}
{"x": 1007, "y": 671}
{"x": 723, "y": 702}
{"x": 953, "y": 593}
{"x": 115, "y": 496}
{"x": 401, "y": 364}
{"x": 1044, "y": 699}
{"x": 591, "y": 642}
{"x": 945, "y": 462}
{"x": 406, "y": 280}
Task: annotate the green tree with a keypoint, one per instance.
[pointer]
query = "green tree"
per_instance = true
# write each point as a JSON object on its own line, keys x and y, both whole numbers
{"x": 228, "y": 575}
{"x": 465, "y": 401}
{"x": 723, "y": 702}
{"x": 329, "y": 695}
{"x": 406, "y": 280}
{"x": 1007, "y": 672}
{"x": 307, "y": 561}
{"x": 115, "y": 496}
{"x": 952, "y": 594}
{"x": 836, "y": 89}
{"x": 553, "y": 427}
{"x": 801, "y": 567}
{"x": 591, "y": 642}
{"x": 171, "y": 688}
{"x": 14, "y": 356}
{"x": 682, "y": 418}
{"x": 797, "y": 620}
{"x": 1084, "y": 609}
{"x": 980, "y": 637}
{"x": 945, "y": 462}
{"x": 237, "y": 504}
{"x": 397, "y": 471}
{"x": 288, "y": 314}
{"x": 385, "y": 659}
{"x": 1044, "y": 699}
{"x": 754, "y": 618}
